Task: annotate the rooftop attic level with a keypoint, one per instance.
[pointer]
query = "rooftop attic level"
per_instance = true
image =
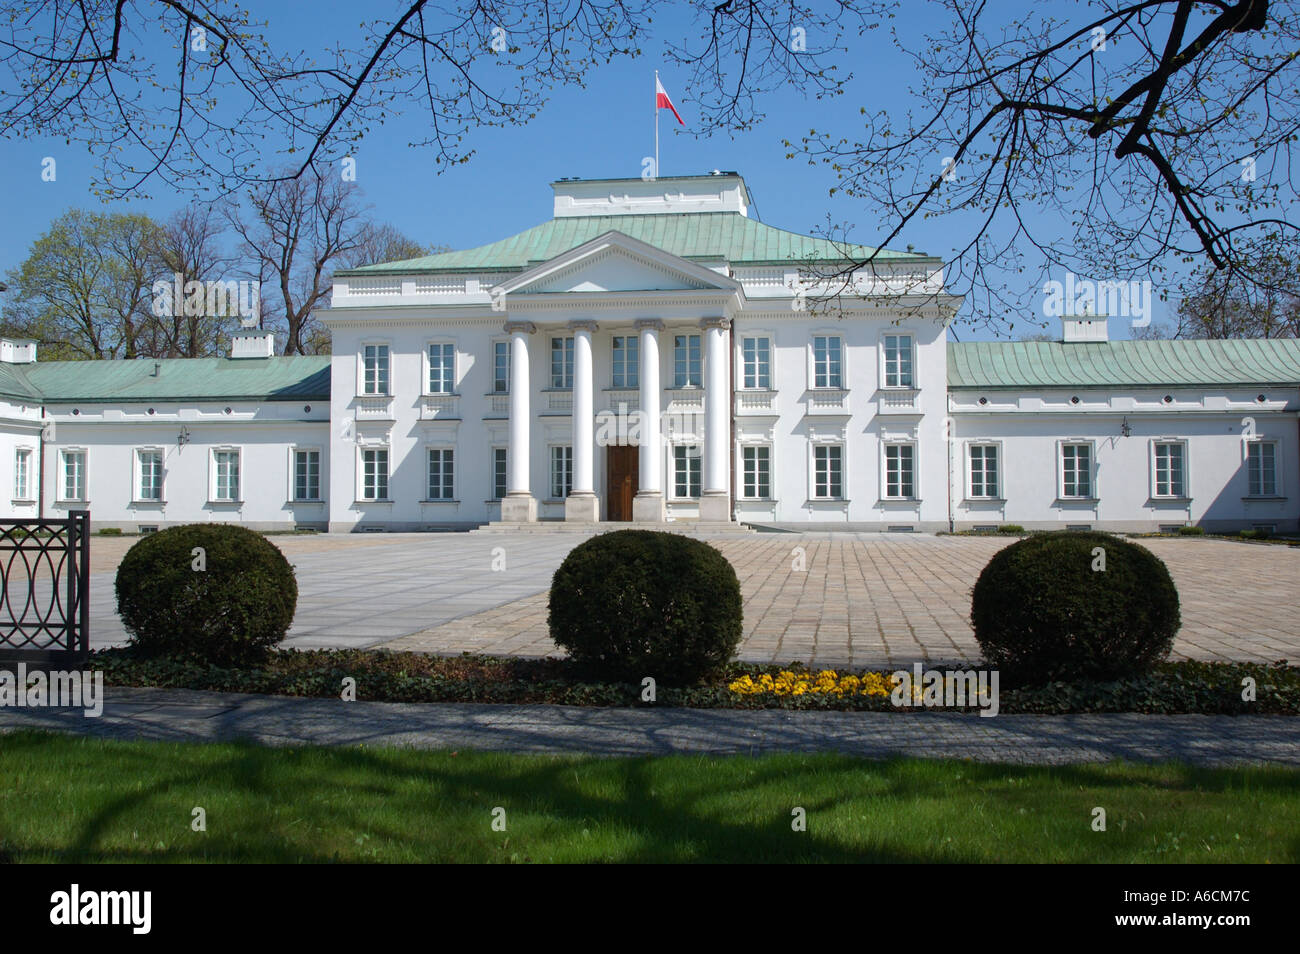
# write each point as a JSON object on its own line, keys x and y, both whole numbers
{"x": 669, "y": 195}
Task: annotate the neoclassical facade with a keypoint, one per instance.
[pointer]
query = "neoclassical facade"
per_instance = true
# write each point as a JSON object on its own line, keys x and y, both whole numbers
{"x": 655, "y": 353}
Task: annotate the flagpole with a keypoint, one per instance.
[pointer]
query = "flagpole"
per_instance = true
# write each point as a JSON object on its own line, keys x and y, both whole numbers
{"x": 656, "y": 124}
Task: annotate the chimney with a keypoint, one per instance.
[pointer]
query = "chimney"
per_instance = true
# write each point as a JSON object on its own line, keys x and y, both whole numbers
{"x": 252, "y": 343}
{"x": 1081, "y": 328}
{"x": 17, "y": 350}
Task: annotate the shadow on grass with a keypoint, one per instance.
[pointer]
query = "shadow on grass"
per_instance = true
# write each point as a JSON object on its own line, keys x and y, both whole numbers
{"x": 346, "y": 804}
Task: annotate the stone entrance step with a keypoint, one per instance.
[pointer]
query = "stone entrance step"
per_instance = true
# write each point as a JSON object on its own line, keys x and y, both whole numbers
{"x": 709, "y": 527}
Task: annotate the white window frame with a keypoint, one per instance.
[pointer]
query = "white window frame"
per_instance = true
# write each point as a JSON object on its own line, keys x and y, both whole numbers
{"x": 84, "y": 455}
{"x": 679, "y": 383}
{"x": 1092, "y": 469}
{"x": 743, "y": 363}
{"x": 429, "y": 365}
{"x": 970, "y": 470}
{"x": 566, "y": 461}
{"x": 884, "y": 469}
{"x": 568, "y": 355}
{"x": 505, "y": 471}
{"x": 885, "y": 366}
{"x": 697, "y": 471}
{"x": 743, "y": 475}
{"x": 361, "y": 473}
{"x": 294, "y": 451}
{"x": 361, "y": 370}
{"x": 1153, "y": 461}
{"x": 137, "y": 475}
{"x": 504, "y": 344}
{"x": 812, "y": 471}
{"x": 631, "y": 369}
{"x": 214, "y": 475}
{"x": 23, "y": 457}
{"x": 836, "y": 384}
{"x": 443, "y": 450}
{"x": 1277, "y": 468}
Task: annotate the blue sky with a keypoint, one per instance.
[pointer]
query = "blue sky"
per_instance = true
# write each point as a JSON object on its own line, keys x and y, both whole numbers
{"x": 602, "y": 130}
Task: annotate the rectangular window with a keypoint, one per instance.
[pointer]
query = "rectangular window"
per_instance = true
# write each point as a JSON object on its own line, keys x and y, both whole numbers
{"x": 498, "y": 472}
{"x": 74, "y": 475}
{"x": 686, "y": 470}
{"x": 562, "y": 363}
{"x": 900, "y": 471}
{"x": 1076, "y": 470}
{"x": 627, "y": 372}
{"x": 686, "y": 362}
{"x": 442, "y": 368}
{"x": 757, "y": 359}
{"x": 827, "y": 366}
{"x": 1171, "y": 470}
{"x": 226, "y": 465}
{"x": 756, "y": 467}
{"x": 22, "y": 473}
{"x": 151, "y": 466}
{"x": 898, "y": 361}
{"x": 442, "y": 470}
{"x": 561, "y": 471}
{"x": 983, "y": 470}
{"x": 500, "y": 367}
{"x": 374, "y": 473}
{"x": 828, "y": 472}
{"x": 306, "y": 475}
{"x": 375, "y": 369}
{"x": 1262, "y": 468}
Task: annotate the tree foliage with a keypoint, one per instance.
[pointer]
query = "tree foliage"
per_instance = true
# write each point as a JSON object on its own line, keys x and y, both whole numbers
{"x": 120, "y": 285}
{"x": 1114, "y": 138}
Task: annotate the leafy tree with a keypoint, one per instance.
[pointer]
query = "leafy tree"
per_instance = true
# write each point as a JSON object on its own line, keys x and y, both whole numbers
{"x": 84, "y": 289}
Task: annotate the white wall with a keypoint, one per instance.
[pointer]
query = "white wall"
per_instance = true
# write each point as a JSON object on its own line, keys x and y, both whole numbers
{"x": 869, "y": 416}
{"x": 1212, "y": 423}
{"x": 265, "y": 435}
{"x": 20, "y": 427}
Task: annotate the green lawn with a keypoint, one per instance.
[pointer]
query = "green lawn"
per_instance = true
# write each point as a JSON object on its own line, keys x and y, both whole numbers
{"x": 74, "y": 799}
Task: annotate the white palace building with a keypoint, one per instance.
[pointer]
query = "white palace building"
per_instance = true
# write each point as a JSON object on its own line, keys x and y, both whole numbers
{"x": 655, "y": 353}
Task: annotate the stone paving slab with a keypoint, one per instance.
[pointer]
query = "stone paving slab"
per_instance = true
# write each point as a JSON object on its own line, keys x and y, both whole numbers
{"x": 880, "y": 600}
{"x": 861, "y": 599}
{"x": 190, "y": 716}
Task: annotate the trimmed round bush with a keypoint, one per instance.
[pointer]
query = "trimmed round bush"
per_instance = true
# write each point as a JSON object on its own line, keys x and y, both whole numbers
{"x": 214, "y": 593}
{"x": 638, "y": 603}
{"x": 1056, "y": 607}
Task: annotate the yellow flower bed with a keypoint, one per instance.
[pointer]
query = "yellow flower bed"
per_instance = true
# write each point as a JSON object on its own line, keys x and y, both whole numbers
{"x": 826, "y": 682}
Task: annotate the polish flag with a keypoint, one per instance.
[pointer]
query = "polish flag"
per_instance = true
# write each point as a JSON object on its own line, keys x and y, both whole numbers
{"x": 663, "y": 102}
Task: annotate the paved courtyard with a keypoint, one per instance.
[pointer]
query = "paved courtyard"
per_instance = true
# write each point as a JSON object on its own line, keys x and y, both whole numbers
{"x": 858, "y": 600}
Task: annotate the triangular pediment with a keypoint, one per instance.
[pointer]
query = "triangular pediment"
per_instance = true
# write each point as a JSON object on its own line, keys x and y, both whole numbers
{"x": 614, "y": 262}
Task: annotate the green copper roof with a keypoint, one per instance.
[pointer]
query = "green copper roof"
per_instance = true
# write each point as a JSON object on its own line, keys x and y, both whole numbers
{"x": 698, "y": 235}
{"x": 291, "y": 378}
{"x": 1042, "y": 364}
{"x": 14, "y": 385}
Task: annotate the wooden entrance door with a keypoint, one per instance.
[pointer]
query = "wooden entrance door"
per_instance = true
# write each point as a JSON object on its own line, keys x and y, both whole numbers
{"x": 622, "y": 462}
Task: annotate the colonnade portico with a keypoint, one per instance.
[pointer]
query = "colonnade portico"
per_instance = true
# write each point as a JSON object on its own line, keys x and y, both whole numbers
{"x": 648, "y": 506}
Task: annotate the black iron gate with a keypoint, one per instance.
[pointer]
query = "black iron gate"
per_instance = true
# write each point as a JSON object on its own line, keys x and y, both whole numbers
{"x": 44, "y": 591}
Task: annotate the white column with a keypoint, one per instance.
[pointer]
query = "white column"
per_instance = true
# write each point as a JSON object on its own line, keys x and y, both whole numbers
{"x": 519, "y": 504}
{"x": 582, "y": 503}
{"x": 648, "y": 505}
{"x": 715, "y": 500}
